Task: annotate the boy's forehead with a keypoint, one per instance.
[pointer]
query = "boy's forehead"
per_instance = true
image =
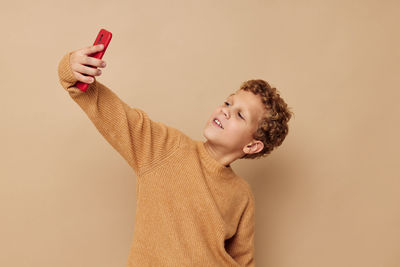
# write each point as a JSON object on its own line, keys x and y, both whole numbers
{"x": 240, "y": 97}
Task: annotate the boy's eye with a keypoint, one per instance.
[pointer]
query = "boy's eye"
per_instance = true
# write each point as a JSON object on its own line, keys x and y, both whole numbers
{"x": 240, "y": 115}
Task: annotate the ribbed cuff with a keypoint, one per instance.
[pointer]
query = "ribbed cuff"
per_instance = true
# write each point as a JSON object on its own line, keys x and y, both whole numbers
{"x": 65, "y": 73}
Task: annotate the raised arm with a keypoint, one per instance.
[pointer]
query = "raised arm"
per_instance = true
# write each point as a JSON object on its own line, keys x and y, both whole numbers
{"x": 140, "y": 141}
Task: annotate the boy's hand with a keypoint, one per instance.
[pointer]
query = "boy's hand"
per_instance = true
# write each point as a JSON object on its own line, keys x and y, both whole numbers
{"x": 80, "y": 60}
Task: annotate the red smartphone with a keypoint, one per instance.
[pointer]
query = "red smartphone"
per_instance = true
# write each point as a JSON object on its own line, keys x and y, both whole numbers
{"x": 104, "y": 37}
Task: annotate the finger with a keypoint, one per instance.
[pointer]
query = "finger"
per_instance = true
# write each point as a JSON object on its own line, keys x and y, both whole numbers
{"x": 93, "y": 49}
{"x": 92, "y": 61}
{"x": 83, "y": 78}
{"x": 88, "y": 70}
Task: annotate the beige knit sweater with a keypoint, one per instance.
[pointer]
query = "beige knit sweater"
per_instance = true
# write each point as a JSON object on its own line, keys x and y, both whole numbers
{"x": 191, "y": 209}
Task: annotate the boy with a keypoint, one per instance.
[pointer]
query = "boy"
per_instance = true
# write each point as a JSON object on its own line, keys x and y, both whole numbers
{"x": 192, "y": 209}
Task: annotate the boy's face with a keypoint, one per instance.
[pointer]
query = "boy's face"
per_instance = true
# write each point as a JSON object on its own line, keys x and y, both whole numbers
{"x": 239, "y": 115}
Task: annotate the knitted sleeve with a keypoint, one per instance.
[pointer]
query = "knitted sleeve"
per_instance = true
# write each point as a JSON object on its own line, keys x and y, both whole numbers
{"x": 139, "y": 140}
{"x": 241, "y": 245}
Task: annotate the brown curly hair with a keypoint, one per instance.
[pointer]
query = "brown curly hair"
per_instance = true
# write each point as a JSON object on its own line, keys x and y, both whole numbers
{"x": 273, "y": 127}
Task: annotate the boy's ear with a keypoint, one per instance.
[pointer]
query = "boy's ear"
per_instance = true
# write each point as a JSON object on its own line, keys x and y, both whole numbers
{"x": 254, "y": 147}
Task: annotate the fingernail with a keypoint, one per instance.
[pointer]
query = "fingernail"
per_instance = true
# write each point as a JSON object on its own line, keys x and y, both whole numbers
{"x": 103, "y": 64}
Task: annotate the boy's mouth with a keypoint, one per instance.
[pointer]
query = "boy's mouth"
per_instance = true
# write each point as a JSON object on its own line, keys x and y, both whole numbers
{"x": 217, "y": 123}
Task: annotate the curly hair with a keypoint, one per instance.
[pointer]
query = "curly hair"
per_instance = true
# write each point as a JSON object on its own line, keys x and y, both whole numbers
{"x": 273, "y": 127}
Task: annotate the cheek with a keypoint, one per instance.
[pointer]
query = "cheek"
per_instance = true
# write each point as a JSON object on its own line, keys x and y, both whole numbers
{"x": 238, "y": 128}
{"x": 247, "y": 130}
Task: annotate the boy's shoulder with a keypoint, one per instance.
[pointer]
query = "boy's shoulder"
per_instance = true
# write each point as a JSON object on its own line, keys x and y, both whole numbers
{"x": 246, "y": 187}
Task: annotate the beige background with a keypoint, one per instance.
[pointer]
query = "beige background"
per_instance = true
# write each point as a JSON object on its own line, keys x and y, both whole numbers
{"x": 329, "y": 196}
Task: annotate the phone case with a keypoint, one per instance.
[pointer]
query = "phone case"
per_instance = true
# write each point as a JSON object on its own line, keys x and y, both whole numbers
{"x": 104, "y": 37}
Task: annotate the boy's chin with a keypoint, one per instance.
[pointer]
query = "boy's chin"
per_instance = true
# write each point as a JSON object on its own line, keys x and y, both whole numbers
{"x": 212, "y": 137}
{"x": 209, "y": 134}
{"x": 206, "y": 135}
{"x": 209, "y": 137}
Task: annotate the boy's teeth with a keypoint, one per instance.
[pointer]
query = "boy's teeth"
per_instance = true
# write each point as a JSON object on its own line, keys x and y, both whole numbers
{"x": 218, "y": 122}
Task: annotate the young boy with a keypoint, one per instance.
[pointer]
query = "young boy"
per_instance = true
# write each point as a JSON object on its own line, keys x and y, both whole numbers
{"x": 192, "y": 209}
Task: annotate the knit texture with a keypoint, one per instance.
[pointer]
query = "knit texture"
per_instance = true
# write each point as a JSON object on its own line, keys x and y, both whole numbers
{"x": 191, "y": 209}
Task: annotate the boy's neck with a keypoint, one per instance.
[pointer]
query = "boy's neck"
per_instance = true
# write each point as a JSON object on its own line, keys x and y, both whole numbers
{"x": 223, "y": 158}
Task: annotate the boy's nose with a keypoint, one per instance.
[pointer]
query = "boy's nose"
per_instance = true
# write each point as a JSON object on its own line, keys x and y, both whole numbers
{"x": 226, "y": 113}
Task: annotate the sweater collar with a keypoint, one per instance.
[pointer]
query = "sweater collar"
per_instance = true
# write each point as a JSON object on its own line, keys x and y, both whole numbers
{"x": 212, "y": 164}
